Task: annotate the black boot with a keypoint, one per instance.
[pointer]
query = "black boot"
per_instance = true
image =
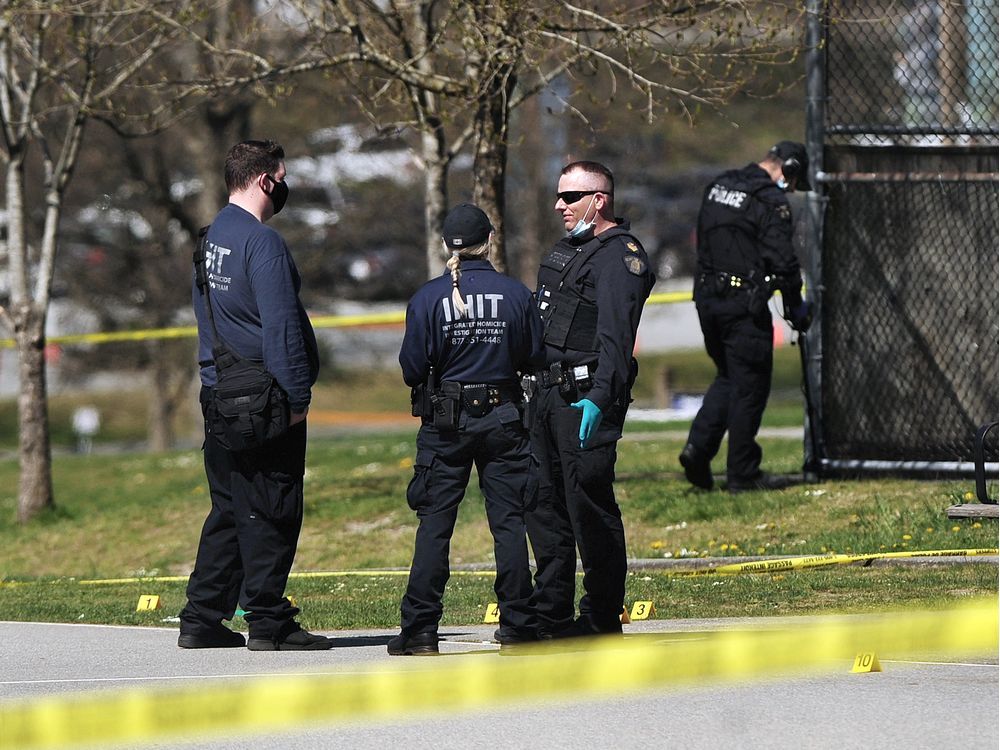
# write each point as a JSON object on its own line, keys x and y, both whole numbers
{"x": 421, "y": 644}
{"x": 697, "y": 470}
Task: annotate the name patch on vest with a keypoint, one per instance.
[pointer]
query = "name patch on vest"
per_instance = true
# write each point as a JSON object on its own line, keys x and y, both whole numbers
{"x": 558, "y": 259}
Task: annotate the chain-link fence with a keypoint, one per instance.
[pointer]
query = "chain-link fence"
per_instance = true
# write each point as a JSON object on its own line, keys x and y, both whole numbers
{"x": 923, "y": 71}
{"x": 910, "y": 348}
{"x": 907, "y": 368}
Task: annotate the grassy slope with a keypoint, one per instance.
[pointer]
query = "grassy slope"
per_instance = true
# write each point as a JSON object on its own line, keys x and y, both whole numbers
{"x": 132, "y": 514}
{"x": 124, "y": 514}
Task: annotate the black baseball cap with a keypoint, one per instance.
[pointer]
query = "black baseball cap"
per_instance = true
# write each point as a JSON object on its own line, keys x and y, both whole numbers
{"x": 786, "y": 150}
{"x": 466, "y": 226}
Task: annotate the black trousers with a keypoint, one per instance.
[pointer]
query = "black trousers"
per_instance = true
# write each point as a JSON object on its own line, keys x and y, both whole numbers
{"x": 576, "y": 509}
{"x": 249, "y": 538}
{"x": 497, "y": 444}
{"x": 742, "y": 347}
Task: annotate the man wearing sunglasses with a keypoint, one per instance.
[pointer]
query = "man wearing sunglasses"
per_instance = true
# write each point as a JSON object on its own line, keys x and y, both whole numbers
{"x": 591, "y": 290}
{"x": 745, "y": 253}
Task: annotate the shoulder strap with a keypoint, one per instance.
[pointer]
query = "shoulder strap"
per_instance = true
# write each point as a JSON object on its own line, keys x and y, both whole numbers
{"x": 219, "y": 349}
{"x": 626, "y": 236}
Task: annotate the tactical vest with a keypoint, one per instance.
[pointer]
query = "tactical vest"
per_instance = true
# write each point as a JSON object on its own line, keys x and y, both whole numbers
{"x": 570, "y": 319}
{"x": 730, "y": 209}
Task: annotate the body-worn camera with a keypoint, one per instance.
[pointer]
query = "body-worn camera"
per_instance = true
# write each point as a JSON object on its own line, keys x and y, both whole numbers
{"x": 581, "y": 377}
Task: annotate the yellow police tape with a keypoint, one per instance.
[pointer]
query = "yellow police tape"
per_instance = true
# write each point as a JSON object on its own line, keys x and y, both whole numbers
{"x": 755, "y": 566}
{"x": 321, "y": 321}
{"x": 816, "y": 561}
{"x": 393, "y": 317}
{"x": 397, "y": 689}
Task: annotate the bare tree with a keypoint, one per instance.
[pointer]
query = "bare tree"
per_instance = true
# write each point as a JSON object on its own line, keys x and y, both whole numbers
{"x": 125, "y": 255}
{"x": 56, "y": 67}
{"x": 461, "y": 68}
{"x": 159, "y": 155}
{"x": 64, "y": 63}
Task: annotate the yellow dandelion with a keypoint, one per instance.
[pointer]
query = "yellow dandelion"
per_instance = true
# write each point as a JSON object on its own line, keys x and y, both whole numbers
{"x": 907, "y": 537}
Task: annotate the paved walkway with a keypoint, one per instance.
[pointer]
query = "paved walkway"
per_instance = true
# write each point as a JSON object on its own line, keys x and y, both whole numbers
{"x": 930, "y": 703}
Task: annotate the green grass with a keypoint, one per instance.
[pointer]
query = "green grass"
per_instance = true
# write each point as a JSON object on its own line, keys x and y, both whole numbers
{"x": 124, "y": 413}
{"x": 128, "y": 514}
{"x": 140, "y": 515}
{"x": 372, "y": 601}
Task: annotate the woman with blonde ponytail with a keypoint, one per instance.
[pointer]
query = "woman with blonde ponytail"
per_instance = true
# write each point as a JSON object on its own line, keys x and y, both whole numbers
{"x": 471, "y": 333}
{"x": 454, "y": 265}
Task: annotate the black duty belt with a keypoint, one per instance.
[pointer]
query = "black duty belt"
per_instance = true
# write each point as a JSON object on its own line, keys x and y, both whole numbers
{"x": 479, "y": 399}
{"x": 724, "y": 283}
{"x": 566, "y": 376}
{"x": 450, "y": 398}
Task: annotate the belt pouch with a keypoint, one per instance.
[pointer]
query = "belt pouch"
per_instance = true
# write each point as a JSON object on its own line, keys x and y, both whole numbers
{"x": 560, "y": 319}
{"x": 444, "y": 406}
{"x": 476, "y": 400}
{"x": 419, "y": 406}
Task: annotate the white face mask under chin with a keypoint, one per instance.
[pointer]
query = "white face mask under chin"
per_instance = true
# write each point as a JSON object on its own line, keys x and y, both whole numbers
{"x": 582, "y": 227}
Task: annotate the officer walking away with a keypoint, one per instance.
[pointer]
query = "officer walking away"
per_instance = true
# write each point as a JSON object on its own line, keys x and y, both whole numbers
{"x": 591, "y": 290}
{"x": 470, "y": 334}
{"x": 249, "y": 538}
{"x": 745, "y": 253}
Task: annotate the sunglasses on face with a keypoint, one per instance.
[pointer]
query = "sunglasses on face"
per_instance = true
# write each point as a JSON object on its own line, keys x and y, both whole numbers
{"x": 572, "y": 196}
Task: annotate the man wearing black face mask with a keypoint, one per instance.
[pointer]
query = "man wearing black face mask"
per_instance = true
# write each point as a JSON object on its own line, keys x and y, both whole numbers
{"x": 249, "y": 538}
{"x": 745, "y": 253}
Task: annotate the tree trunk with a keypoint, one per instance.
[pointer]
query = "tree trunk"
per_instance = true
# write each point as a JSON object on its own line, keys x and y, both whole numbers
{"x": 530, "y": 204}
{"x": 35, "y": 450}
{"x": 490, "y": 165}
{"x": 223, "y": 127}
{"x": 170, "y": 386}
{"x": 27, "y": 322}
{"x": 435, "y": 198}
{"x": 161, "y": 433}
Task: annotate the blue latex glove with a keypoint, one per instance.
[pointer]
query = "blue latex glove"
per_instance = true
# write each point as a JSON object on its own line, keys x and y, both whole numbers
{"x": 589, "y": 421}
{"x": 801, "y": 317}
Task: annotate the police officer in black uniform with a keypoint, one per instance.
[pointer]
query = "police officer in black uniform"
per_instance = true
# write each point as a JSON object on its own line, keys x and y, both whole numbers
{"x": 469, "y": 337}
{"x": 745, "y": 253}
{"x": 591, "y": 290}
